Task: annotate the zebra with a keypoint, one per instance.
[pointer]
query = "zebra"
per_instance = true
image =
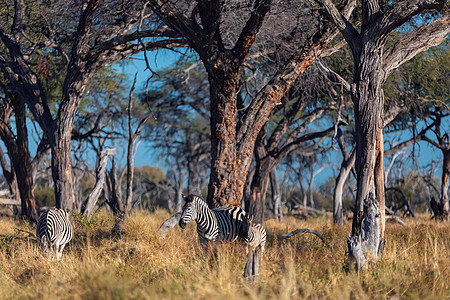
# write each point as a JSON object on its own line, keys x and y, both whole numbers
{"x": 218, "y": 224}
{"x": 254, "y": 235}
{"x": 54, "y": 231}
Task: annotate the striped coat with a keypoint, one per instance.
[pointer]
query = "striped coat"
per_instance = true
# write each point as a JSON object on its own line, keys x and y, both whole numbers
{"x": 54, "y": 231}
{"x": 254, "y": 235}
{"x": 219, "y": 224}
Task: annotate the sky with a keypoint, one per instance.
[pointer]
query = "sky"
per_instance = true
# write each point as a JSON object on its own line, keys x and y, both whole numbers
{"x": 146, "y": 156}
{"x": 162, "y": 59}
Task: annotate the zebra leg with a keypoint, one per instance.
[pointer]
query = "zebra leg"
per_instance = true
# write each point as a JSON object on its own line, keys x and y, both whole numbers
{"x": 60, "y": 250}
{"x": 52, "y": 249}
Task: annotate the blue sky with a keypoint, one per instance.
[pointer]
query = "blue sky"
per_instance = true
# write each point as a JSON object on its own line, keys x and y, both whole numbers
{"x": 165, "y": 58}
{"x": 146, "y": 156}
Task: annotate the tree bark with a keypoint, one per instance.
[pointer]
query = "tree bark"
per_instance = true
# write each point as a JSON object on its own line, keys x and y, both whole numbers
{"x": 379, "y": 187}
{"x": 368, "y": 105}
{"x": 22, "y": 163}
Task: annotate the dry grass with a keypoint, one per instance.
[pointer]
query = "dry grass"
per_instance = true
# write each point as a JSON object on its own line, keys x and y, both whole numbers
{"x": 140, "y": 265}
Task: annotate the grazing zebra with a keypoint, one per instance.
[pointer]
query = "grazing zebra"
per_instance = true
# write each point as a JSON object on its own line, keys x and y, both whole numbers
{"x": 219, "y": 224}
{"x": 254, "y": 235}
{"x": 54, "y": 231}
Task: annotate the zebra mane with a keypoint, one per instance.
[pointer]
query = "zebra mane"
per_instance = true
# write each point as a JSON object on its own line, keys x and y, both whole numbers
{"x": 190, "y": 198}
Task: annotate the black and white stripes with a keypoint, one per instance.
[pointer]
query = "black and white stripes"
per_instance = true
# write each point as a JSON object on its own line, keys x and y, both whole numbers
{"x": 54, "y": 231}
{"x": 254, "y": 235}
{"x": 219, "y": 224}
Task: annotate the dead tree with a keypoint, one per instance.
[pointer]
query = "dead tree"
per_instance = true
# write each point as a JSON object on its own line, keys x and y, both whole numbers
{"x": 100, "y": 181}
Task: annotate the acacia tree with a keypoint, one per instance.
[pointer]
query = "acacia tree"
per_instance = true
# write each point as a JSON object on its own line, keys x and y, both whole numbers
{"x": 234, "y": 126}
{"x": 372, "y": 65}
{"x": 105, "y": 32}
{"x": 20, "y": 173}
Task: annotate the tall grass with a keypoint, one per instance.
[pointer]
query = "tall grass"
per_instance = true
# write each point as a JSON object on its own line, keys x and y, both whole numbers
{"x": 140, "y": 265}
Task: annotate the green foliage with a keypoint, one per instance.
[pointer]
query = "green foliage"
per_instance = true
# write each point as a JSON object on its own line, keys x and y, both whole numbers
{"x": 44, "y": 196}
{"x": 154, "y": 173}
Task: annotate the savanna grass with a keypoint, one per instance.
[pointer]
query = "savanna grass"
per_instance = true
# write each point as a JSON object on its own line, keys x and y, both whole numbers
{"x": 141, "y": 265}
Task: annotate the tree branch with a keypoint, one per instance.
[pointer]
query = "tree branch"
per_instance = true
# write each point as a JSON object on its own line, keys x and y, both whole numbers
{"x": 349, "y": 32}
{"x": 403, "y": 11}
{"x": 248, "y": 34}
{"x": 419, "y": 40}
{"x": 172, "y": 16}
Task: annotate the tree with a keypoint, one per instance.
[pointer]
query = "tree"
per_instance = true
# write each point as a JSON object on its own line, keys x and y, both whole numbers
{"x": 235, "y": 126}
{"x": 20, "y": 172}
{"x": 372, "y": 65}
{"x": 104, "y": 33}
{"x": 441, "y": 208}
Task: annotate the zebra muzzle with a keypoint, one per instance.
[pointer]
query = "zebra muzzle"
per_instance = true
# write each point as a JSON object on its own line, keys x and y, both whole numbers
{"x": 182, "y": 223}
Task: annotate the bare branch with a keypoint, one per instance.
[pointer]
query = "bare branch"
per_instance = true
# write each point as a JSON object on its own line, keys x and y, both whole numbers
{"x": 252, "y": 26}
{"x": 403, "y": 11}
{"x": 304, "y": 230}
{"x": 419, "y": 40}
{"x": 172, "y": 16}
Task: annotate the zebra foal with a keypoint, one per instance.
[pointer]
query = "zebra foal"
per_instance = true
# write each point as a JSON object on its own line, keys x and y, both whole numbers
{"x": 54, "y": 231}
{"x": 218, "y": 224}
{"x": 254, "y": 235}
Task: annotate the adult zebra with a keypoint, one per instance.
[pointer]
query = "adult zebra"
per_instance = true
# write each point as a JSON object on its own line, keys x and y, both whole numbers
{"x": 54, "y": 231}
{"x": 219, "y": 224}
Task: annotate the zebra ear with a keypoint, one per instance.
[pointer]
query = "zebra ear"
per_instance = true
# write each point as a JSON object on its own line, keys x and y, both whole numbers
{"x": 248, "y": 218}
{"x": 187, "y": 198}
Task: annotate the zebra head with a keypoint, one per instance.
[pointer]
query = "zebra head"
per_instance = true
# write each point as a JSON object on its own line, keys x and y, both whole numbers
{"x": 188, "y": 213}
{"x": 247, "y": 221}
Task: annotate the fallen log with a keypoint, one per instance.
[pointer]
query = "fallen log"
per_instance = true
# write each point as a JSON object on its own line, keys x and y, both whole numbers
{"x": 396, "y": 219}
{"x": 303, "y": 230}
{"x": 169, "y": 224}
{"x": 4, "y": 201}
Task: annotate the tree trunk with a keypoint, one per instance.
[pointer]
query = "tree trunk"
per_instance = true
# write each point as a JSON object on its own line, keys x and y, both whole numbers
{"x": 260, "y": 180}
{"x": 91, "y": 200}
{"x": 62, "y": 168}
{"x": 258, "y": 197}
{"x": 22, "y": 163}
{"x": 346, "y": 167}
{"x": 276, "y": 195}
{"x": 368, "y": 101}
{"x": 20, "y": 174}
{"x": 444, "y": 210}
{"x": 379, "y": 187}
{"x": 228, "y": 175}
{"x": 311, "y": 184}
{"x": 10, "y": 176}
